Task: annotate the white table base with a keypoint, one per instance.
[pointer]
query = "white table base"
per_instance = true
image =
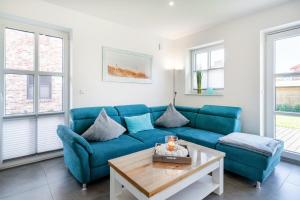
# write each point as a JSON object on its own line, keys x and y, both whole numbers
{"x": 196, "y": 186}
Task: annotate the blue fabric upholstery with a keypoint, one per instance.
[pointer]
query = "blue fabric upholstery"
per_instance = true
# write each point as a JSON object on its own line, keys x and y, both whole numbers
{"x": 176, "y": 130}
{"x": 131, "y": 110}
{"x": 83, "y": 118}
{"x": 99, "y": 172}
{"x": 251, "y": 165}
{"x": 218, "y": 124}
{"x": 104, "y": 151}
{"x": 77, "y": 152}
{"x": 89, "y": 161}
{"x": 247, "y": 157}
{"x": 202, "y": 137}
{"x": 69, "y": 137}
{"x": 219, "y": 119}
{"x": 157, "y": 111}
{"x": 150, "y": 137}
{"x": 190, "y": 113}
{"x": 223, "y": 111}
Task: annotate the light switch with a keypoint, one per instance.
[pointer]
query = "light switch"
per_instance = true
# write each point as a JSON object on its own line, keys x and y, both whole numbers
{"x": 81, "y": 92}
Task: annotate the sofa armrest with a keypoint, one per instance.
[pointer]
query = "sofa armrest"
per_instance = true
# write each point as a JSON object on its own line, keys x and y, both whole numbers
{"x": 69, "y": 137}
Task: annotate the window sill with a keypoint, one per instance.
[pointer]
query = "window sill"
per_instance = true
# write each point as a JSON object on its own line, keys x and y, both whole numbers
{"x": 219, "y": 93}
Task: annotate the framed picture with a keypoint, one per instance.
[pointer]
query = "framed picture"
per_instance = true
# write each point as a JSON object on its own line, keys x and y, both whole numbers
{"x": 126, "y": 66}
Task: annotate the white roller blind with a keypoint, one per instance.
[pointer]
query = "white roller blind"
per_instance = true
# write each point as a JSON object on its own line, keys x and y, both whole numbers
{"x": 18, "y": 137}
{"x": 47, "y": 138}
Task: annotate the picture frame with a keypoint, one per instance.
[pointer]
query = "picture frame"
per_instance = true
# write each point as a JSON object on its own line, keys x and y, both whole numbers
{"x": 126, "y": 66}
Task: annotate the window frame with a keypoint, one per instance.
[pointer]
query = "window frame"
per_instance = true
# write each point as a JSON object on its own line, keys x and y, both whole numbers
{"x": 268, "y": 81}
{"x": 37, "y": 29}
{"x": 205, "y": 49}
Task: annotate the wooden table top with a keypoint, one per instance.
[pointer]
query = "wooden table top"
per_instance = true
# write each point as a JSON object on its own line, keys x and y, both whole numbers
{"x": 152, "y": 177}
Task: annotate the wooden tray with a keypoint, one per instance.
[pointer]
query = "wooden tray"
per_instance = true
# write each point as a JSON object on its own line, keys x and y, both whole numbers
{"x": 172, "y": 159}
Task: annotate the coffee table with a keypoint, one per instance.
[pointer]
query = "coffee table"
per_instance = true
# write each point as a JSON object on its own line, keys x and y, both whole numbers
{"x": 135, "y": 176}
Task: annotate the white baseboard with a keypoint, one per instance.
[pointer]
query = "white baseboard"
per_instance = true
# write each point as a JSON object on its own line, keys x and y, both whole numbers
{"x": 30, "y": 159}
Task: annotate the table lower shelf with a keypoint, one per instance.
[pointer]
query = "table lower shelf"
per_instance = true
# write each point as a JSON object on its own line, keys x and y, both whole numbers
{"x": 196, "y": 191}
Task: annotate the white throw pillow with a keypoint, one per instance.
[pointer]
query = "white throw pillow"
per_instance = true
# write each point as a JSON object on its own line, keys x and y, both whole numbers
{"x": 171, "y": 118}
{"x": 104, "y": 128}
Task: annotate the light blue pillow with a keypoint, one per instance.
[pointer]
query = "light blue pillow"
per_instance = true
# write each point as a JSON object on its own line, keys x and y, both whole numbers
{"x": 139, "y": 123}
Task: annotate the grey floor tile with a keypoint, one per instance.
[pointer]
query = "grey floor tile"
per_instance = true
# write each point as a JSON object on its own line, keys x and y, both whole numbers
{"x": 51, "y": 180}
{"x": 287, "y": 192}
{"x": 57, "y": 174}
{"x": 52, "y": 163}
{"x": 294, "y": 178}
{"x": 278, "y": 177}
{"x": 21, "y": 179}
{"x": 71, "y": 189}
{"x": 64, "y": 189}
{"x": 39, "y": 193}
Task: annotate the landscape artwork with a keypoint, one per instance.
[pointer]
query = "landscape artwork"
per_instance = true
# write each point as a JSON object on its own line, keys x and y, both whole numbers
{"x": 126, "y": 66}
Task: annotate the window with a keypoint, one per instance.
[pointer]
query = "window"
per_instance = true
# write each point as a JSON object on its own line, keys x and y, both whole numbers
{"x": 209, "y": 63}
{"x": 281, "y": 113}
{"x": 35, "y": 74}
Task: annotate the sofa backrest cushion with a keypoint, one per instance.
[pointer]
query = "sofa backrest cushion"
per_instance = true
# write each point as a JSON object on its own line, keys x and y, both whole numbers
{"x": 224, "y": 111}
{"x": 156, "y": 112}
{"x": 219, "y": 119}
{"x": 131, "y": 110}
{"x": 83, "y": 118}
{"x": 189, "y": 112}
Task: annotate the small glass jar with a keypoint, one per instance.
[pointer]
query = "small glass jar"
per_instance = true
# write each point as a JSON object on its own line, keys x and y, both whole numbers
{"x": 171, "y": 142}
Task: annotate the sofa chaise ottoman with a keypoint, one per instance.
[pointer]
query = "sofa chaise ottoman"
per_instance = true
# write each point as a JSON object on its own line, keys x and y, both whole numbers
{"x": 252, "y": 165}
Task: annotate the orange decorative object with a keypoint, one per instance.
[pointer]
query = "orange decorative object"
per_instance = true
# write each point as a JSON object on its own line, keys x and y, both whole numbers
{"x": 123, "y": 72}
{"x": 171, "y": 142}
{"x": 171, "y": 145}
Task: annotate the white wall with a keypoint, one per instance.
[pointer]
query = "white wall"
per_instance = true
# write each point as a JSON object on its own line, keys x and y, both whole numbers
{"x": 88, "y": 34}
{"x": 242, "y": 43}
{"x": 242, "y": 61}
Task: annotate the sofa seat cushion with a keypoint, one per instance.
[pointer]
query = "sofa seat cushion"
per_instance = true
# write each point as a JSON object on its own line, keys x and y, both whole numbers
{"x": 104, "y": 151}
{"x": 201, "y": 137}
{"x": 176, "y": 130}
{"x": 150, "y": 137}
{"x": 248, "y": 157}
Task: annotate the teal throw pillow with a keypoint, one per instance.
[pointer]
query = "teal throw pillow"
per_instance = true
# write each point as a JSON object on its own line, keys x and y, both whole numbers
{"x": 139, "y": 123}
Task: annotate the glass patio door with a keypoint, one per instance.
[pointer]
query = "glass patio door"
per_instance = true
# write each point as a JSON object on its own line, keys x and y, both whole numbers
{"x": 283, "y": 89}
{"x": 34, "y": 89}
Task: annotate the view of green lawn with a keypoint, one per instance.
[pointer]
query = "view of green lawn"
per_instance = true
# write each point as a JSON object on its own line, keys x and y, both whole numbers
{"x": 288, "y": 121}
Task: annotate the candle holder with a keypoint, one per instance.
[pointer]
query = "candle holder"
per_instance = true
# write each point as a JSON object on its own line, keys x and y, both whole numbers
{"x": 171, "y": 142}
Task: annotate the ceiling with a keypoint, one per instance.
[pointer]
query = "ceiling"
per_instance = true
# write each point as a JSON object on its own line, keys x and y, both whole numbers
{"x": 184, "y": 18}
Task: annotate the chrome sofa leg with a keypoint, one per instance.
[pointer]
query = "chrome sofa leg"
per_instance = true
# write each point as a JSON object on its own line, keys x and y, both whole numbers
{"x": 258, "y": 185}
{"x": 84, "y": 186}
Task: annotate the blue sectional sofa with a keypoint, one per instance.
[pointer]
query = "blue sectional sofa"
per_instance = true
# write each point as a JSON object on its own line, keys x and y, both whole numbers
{"x": 88, "y": 161}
